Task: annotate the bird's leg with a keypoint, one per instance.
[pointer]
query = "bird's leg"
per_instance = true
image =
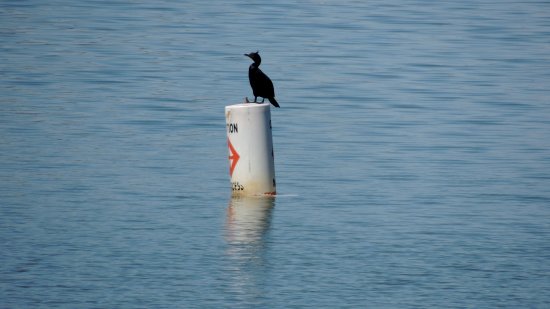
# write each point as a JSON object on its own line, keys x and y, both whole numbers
{"x": 255, "y": 99}
{"x": 246, "y": 100}
{"x": 263, "y": 99}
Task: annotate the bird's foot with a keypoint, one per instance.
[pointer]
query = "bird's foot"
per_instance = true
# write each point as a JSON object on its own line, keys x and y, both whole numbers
{"x": 263, "y": 99}
{"x": 246, "y": 100}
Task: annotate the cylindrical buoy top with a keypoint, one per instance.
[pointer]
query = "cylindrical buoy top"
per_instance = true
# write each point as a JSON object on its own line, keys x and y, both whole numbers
{"x": 250, "y": 144}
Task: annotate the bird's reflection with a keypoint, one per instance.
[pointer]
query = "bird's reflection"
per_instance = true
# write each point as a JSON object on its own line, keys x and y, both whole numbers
{"x": 247, "y": 229}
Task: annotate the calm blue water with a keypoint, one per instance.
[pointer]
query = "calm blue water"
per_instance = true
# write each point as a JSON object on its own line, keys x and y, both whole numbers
{"x": 412, "y": 155}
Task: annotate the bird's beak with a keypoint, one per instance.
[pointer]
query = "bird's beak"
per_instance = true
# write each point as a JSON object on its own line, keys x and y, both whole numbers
{"x": 248, "y": 55}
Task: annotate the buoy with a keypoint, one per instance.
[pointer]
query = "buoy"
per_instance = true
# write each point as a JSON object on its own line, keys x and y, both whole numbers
{"x": 250, "y": 144}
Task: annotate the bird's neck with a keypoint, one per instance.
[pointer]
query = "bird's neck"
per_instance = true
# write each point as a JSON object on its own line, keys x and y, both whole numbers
{"x": 254, "y": 66}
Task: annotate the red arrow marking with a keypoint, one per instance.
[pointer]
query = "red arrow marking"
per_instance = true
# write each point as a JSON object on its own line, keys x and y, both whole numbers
{"x": 233, "y": 157}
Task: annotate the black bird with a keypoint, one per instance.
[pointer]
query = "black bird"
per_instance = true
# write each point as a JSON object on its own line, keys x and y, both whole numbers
{"x": 260, "y": 83}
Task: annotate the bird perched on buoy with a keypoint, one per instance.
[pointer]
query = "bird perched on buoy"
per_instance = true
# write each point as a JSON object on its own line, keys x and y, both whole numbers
{"x": 260, "y": 83}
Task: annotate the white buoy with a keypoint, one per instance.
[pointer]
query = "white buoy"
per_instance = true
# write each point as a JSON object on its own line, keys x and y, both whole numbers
{"x": 251, "y": 161}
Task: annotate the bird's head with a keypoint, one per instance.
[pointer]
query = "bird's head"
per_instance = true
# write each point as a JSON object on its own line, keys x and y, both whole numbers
{"x": 255, "y": 57}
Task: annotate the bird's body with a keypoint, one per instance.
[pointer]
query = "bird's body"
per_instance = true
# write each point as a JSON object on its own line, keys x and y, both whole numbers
{"x": 260, "y": 83}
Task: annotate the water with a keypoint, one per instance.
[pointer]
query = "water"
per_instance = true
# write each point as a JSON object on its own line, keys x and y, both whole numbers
{"x": 412, "y": 155}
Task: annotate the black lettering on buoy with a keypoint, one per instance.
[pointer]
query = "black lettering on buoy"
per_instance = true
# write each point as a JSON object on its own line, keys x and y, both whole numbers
{"x": 232, "y": 128}
{"x": 236, "y": 186}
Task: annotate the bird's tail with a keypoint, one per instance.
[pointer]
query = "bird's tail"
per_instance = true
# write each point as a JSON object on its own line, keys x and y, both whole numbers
{"x": 274, "y": 102}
